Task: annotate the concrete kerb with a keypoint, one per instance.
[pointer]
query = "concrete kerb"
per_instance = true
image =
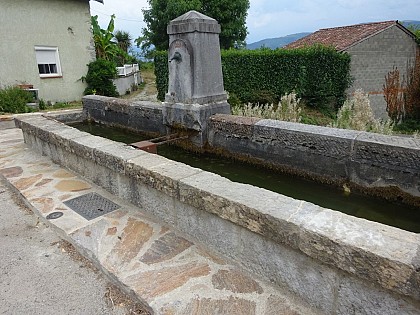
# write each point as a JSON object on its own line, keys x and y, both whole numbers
{"x": 368, "y": 251}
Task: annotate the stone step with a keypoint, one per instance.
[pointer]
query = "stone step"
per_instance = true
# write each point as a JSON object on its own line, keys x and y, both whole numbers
{"x": 164, "y": 269}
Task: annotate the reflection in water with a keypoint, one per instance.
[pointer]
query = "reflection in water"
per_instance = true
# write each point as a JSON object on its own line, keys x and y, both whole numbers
{"x": 374, "y": 209}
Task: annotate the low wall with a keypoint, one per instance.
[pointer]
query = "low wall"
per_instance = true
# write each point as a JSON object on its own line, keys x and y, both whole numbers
{"x": 125, "y": 84}
{"x": 338, "y": 263}
{"x": 388, "y": 165}
{"x": 142, "y": 116}
{"x": 362, "y": 158}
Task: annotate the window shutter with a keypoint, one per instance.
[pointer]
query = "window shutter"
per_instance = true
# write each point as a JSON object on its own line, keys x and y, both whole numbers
{"x": 46, "y": 57}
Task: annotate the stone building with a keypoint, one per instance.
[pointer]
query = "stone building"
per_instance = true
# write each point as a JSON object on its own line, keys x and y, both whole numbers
{"x": 46, "y": 44}
{"x": 375, "y": 48}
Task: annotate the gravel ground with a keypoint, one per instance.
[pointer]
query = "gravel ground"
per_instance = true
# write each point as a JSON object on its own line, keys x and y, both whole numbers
{"x": 42, "y": 274}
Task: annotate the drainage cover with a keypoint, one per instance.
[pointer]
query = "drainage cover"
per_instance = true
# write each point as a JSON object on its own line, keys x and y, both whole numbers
{"x": 54, "y": 215}
{"x": 91, "y": 205}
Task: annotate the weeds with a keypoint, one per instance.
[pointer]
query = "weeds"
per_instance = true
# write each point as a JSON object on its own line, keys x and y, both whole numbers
{"x": 287, "y": 109}
{"x": 356, "y": 114}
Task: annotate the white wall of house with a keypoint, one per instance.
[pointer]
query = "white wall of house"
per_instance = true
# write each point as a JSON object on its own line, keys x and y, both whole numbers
{"x": 373, "y": 58}
{"x": 50, "y": 25}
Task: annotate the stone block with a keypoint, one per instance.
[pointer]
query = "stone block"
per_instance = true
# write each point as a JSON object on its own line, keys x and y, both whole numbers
{"x": 159, "y": 173}
{"x": 193, "y": 117}
{"x": 115, "y": 155}
{"x": 84, "y": 146}
{"x": 146, "y": 117}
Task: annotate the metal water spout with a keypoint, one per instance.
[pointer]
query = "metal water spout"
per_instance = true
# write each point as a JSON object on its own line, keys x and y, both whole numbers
{"x": 177, "y": 57}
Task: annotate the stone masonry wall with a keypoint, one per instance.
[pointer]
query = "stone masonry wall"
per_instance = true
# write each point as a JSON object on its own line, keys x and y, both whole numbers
{"x": 338, "y": 263}
{"x": 141, "y": 116}
{"x": 337, "y": 155}
{"x": 366, "y": 159}
{"x": 373, "y": 58}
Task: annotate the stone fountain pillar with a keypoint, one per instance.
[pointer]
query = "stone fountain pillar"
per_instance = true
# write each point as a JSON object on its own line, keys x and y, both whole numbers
{"x": 195, "y": 89}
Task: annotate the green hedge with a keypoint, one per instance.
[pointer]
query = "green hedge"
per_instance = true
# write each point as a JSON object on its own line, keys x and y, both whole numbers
{"x": 318, "y": 74}
{"x": 162, "y": 73}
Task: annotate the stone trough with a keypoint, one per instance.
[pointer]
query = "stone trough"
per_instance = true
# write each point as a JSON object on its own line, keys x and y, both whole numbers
{"x": 337, "y": 263}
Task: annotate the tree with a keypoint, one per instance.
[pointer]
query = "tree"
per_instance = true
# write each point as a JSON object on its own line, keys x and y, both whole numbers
{"x": 232, "y": 17}
{"x": 230, "y": 14}
{"x": 105, "y": 46}
{"x": 123, "y": 40}
{"x": 415, "y": 29}
{"x": 109, "y": 46}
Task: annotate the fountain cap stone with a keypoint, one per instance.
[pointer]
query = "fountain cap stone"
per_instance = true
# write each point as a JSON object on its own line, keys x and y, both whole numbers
{"x": 191, "y": 22}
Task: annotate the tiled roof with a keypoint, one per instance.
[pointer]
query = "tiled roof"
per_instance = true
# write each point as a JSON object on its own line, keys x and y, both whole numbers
{"x": 343, "y": 37}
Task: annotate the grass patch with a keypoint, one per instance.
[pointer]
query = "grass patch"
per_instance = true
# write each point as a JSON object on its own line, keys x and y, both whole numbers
{"x": 47, "y": 106}
{"x": 316, "y": 116}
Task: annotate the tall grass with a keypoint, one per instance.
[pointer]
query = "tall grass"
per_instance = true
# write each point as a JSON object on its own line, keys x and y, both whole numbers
{"x": 287, "y": 109}
{"x": 357, "y": 114}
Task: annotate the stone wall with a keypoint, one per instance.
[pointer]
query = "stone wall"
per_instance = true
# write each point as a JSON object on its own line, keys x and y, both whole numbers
{"x": 373, "y": 58}
{"x": 366, "y": 159}
{"x": 125, "y": 84}
{"x": 142, "y": 116}
{"x": 338, "y": 263}
{"x": 328, "y": 154}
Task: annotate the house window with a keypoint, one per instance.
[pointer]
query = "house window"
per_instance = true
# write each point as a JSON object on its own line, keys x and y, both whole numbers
{"x": 48, "y": 61}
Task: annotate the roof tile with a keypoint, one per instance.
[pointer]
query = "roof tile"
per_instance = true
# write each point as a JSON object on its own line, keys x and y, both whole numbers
{"x": 342, "y": 37}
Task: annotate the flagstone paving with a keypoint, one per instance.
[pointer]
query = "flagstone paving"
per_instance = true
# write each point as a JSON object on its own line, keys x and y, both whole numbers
{"x": 169, "y": 273}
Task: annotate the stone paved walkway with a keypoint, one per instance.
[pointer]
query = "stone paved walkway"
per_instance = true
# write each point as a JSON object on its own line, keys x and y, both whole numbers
{"x": 162, "y": 268}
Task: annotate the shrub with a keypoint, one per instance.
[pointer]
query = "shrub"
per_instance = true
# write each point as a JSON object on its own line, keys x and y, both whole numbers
{"x": 356, "y": 114}
{"x": 412, "y": 90}
{"x": 319, "y": 75}
{"x": 287, "y": 109}
{"x": 408, "y": 126}
{"x": 402, "y": 95}
{"x": 394, "y": 97}
{"x": 161, "y": 73}
{"x": 99, "y": 78}
{"x": 14, "y": 100}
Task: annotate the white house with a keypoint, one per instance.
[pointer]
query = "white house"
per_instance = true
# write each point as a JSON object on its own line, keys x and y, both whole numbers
{"x": 46, "y": 44}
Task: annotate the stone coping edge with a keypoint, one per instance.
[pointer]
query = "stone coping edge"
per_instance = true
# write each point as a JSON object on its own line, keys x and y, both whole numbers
{"x": 377, "y": 253}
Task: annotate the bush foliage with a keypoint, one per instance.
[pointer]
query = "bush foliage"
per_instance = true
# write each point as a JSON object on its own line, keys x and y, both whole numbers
{"x": 318, "y": 75}
{"x": 287, "y": 109}
{"x": 99, "y": 78}
{"x": 357, "y": 114}
{"x": 14, "y": 100}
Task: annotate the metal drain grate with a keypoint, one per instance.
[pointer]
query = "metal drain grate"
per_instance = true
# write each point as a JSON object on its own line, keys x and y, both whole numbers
{"x": 91, "y": 205}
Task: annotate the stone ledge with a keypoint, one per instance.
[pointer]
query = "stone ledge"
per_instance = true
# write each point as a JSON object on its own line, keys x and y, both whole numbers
{"x": 385, "y": 256}
{"x": 142, "y": 116}
{"x": 338, "y": 155}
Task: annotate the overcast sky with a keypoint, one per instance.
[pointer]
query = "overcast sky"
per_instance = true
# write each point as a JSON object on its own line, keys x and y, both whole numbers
{"x": 276, "y": 18}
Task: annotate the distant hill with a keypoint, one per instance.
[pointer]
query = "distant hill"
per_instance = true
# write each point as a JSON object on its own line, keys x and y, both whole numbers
{"x": 278, "y": 42}
{"x": 411, "y": 23}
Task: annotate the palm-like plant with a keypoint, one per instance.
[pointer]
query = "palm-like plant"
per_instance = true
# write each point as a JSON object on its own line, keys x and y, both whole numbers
{"x": 123, "y": 40}
{"x": 105, "y": 46}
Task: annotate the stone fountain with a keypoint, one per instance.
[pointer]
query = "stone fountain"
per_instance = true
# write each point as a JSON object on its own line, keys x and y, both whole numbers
{"x": 196, "y": 89}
